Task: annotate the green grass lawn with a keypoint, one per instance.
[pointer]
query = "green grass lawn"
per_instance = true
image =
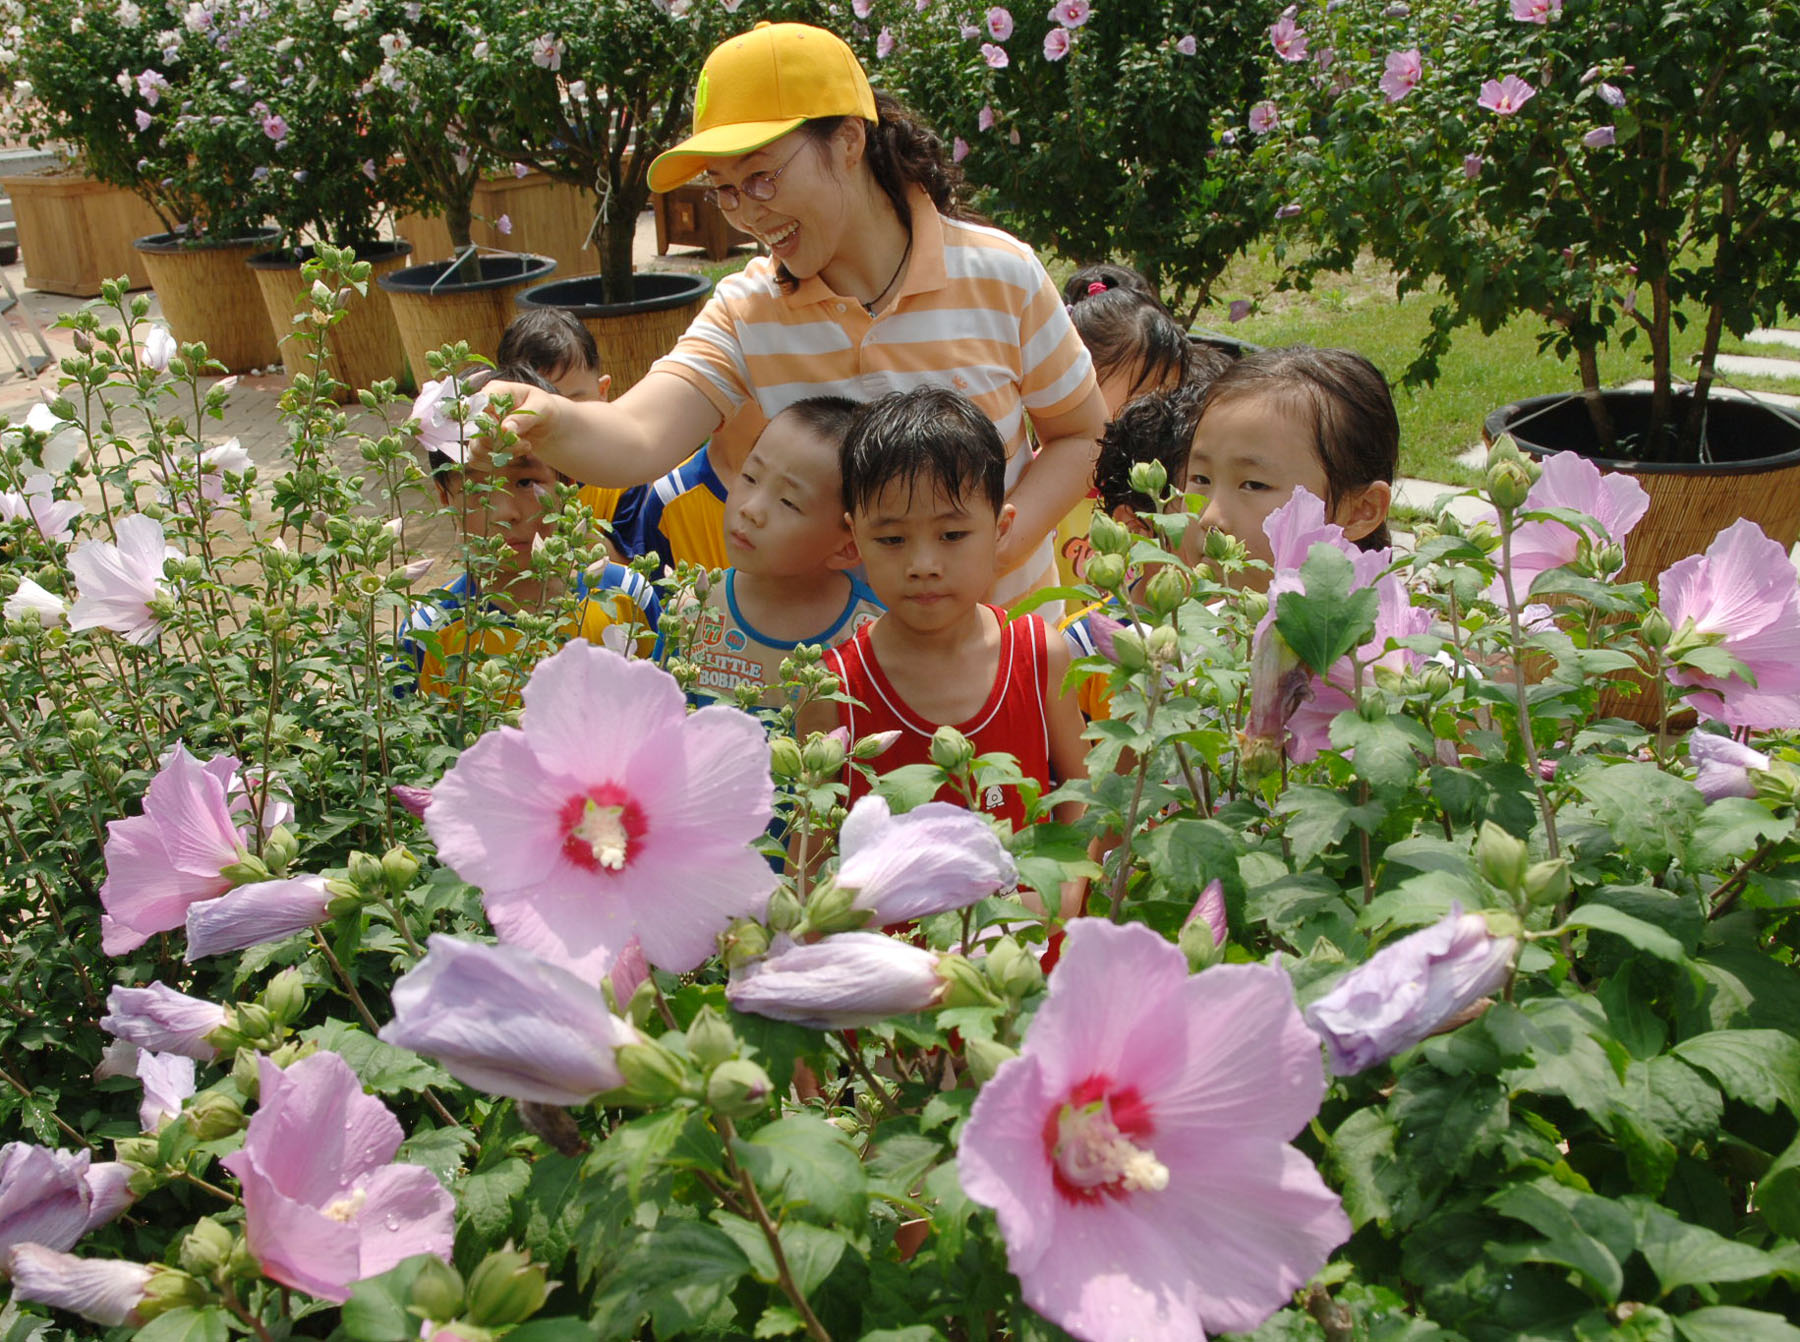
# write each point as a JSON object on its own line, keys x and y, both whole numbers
{"x": 1481, "y": 372}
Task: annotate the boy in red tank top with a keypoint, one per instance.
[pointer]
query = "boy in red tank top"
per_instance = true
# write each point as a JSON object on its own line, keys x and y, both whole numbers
{"x": 924, "y": 490}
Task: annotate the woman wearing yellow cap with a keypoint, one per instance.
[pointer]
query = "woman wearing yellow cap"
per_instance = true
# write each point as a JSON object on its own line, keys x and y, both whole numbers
{"x": 876, "y": 281}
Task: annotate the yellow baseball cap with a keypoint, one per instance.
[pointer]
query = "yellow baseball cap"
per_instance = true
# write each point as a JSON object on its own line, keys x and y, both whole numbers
{"x": 760, "y": 85}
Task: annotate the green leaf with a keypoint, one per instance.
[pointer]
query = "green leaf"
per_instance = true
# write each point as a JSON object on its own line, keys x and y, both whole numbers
{"x": 1729, "y": 830}
{"x": 1447, "y": 1120}
{"x": 1728, "y": 1323}
{"x": 1778, "y": 1193}
{"x": 1582, "y": 1232}
{"x": 487, "y": 1200}
{"x": 440, "y": 1150}
{"x": 382, "y": 1068}
{"x": 686, "y": 1271}
{"x": 807, "y": 1163}
{"x": 1362, "y": 1151}
{"x": 1674, "y": 1099}
{"x": 779, "y": 1321}
{"x": 1645, "y": 936}
{"x": 1759, "y": 1067}
{"x": 1388, "y": 749}
{"x": 811, "y": 1251}
{"x": 1186, "y": 853}
{"x": 198, "y": 1325}
{"x": 1648, "y": 812}
{"x": 376, "y": 1310}
{"x": 1689, "y": 1255}
{"x": 1327, "y": 619}
{"x": 552, "y": 1330}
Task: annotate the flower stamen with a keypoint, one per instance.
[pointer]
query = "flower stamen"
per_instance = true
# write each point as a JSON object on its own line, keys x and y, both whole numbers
{"x": 1092, "y": 1156}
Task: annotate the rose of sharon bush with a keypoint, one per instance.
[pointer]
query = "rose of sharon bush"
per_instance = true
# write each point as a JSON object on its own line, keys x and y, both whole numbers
{"x": 1136, "y": 1151}
{"x": 610, "y": 812}
{"x": 323, "y": 1206}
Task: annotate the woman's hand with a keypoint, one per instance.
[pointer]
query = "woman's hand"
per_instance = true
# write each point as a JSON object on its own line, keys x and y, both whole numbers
{"x": 647, "y": 432}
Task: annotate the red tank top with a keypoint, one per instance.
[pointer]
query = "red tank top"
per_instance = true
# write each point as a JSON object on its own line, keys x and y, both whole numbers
{"x": 1011, "y": 721}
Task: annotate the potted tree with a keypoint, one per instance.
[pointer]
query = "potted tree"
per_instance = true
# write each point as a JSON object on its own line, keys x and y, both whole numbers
{"x": 330, "y": 164}
{"x": 1084, "y": 128}
{"x": 120, "y": 87}
{"x": 596, "y": 92}
{"x": 1627, "y": 174}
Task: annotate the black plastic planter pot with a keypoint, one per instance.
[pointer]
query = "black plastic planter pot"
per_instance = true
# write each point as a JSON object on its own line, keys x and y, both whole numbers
{"x": 632, "y": 334}
{"x": 432, "y": 311}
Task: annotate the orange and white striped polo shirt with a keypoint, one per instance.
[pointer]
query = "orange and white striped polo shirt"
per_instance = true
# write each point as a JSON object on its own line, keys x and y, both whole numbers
{"x": 975, "y": 312}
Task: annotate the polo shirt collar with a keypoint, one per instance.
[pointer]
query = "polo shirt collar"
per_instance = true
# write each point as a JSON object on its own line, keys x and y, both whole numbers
{"x": 925, "y": 270}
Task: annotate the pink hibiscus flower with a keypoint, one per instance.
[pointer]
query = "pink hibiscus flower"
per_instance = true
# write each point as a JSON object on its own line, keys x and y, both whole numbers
{"x": 1136, "y": 1151}
{"x": 1404, "y": 69}
{"x": 101, "y": 1290}
{"x": 118, "y": 582}
{"x": 1071, "y": 13}
{"x": 999, "y": 23}
{"x": 610, "y": 812}
{"x": 324, "y": 1206}
{"x": 54, "y": 1197}
{"x": 1264, "y": 118}
{"x": 995, "y": 57}
{"x": 1056, "y": 44}
{"x": 1743, "y": 594}
{"x": 1536, "y": 11}
{"x": 1503, "y": 97}
{"x": 1289, "y": 41}
{"x": 1615, "y": 501}
{"x": 171, "y": 856}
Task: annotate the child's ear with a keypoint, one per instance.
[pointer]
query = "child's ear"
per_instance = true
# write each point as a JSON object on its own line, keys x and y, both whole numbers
{"x": 846, "y": 556}
{"x": 605, "y": 387}
{"x": 1126, "y": 516}
{"x": 1003, "y": 523}
{"x": 1361, "y": 512}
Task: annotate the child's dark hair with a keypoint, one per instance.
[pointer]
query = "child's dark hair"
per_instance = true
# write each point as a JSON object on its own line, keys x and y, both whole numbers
{"x": 931, "y": 435}
{"x": 552, "y": 341}
{"x": 1126, "y": 332}
{"x": 1155, "y": 427}
{"x": 1356, "y": 431}
{"x": 829, "y": 417}
{"x": 443, "y": 467}
{"x": 1092, "y": 281}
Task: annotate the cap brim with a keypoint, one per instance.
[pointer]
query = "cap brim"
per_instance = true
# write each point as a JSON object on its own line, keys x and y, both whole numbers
{"x": 675, "y": 166}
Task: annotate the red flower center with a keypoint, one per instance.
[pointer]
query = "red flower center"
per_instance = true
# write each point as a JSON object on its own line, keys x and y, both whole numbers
{"x": 1097, "y": 1143}
{"x": 602, "y": 827}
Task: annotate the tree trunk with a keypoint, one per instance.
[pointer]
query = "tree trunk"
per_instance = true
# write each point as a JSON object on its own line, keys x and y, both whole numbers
{"x": 1596, "y": 404}
{"x": 458, "y": 217}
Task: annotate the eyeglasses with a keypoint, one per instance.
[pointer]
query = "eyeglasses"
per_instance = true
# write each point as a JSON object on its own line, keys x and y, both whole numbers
{"x": 757, "y": 186}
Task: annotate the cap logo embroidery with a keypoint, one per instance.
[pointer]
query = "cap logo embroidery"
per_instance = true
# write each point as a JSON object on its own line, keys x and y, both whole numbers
{"x": 700, "y": 91}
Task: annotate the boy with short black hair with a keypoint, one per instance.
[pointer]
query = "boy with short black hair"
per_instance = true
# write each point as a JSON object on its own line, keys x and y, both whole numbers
{"x": 511, "y": 503}
{"x": 790, "y": 550}
{"x": 924, "y": 494}
{"x": 556, "y": 345}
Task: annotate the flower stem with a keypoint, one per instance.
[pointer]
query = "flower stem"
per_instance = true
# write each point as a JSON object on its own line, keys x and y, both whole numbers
{"x": 760, "y": 1213}
{"x": 1526, "y": 734}
{"x": 55, "y": 1118}
{"x": 368, "y": 1019}
{"x": 881, "y": 1092}
{"x": 1116, "y": 894}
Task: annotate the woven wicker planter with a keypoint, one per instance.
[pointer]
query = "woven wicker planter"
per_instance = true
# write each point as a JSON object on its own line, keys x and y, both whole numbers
{"x": 1754, "y": 474}
{"x": 75, "y": 232}
{"x": 431, "y": 312}
{"x": 363, "y": 348}
{"x": 631, "y": 335}
{"x": 208, "y": 294}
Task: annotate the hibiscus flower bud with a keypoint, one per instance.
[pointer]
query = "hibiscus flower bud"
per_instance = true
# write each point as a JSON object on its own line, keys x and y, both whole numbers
{"x": 738, "y": 1088}
{"x": 1107, "y": 536}
{"x": 985, "y": 1057}
{"x": 823, "y": 755}
{"x": 784, "y": 758}
{"x": 169, "y": 1289}
{"x": 1547, "y": 882}
{"x": 710, "y": 1038}
{"x": 1129, "y": 650}
{"x": 205, "y": 1248}
{"x": 833, "y": 909}
{"x": 1224, "y": 548}
{"x": 1436, "y": 681}
{"x": 366, "y": 874}
{"x": 876, "y": 745}
{"x": 1105, "y": 571}
{"x": 398, "y": 868}
{"x": 1163, "y": 644}
{"x": 785, "y": 911}
{"x": 280, "y": 849}
{"x": 437, "y": 1292}
{"x": 1655, "y": 630}
{"x": 1168, "y": 588}
{"x": 1508, "y": 483}
{"x": 1149, "y": 477}
{"x": 951, "y": 751}
{"x": 1501, "y": 857}
{"x": 1012, "y": 969}
{"x": 247, "y": 870}
{"x": 506, "y": 1288}
{"x": 743, "y": 942}
{"x": 215, "y": 1115}
{"x": 653, "y": 1075}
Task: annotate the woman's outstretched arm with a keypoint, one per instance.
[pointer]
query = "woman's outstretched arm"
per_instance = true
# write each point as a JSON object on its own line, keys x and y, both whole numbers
{"x": 647, "y": 432}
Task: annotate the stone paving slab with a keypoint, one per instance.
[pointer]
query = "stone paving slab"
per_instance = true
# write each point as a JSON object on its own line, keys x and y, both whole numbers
{"x": 1774, "y": 336}
{"x": 1752, "y": 365}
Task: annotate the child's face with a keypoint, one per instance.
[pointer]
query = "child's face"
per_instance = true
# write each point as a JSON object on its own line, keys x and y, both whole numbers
{"x": 784, "y": 514}
{"x": 511, "y": 507}
{"x": 931, "y": 561}
{"x": 1122, "y": 385}
{"x": 579, "y": 382}
{"x": 1248, "y": 457}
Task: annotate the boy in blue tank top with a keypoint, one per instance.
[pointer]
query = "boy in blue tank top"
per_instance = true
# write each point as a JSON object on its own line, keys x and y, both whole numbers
{"x": 790, "y": 552}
